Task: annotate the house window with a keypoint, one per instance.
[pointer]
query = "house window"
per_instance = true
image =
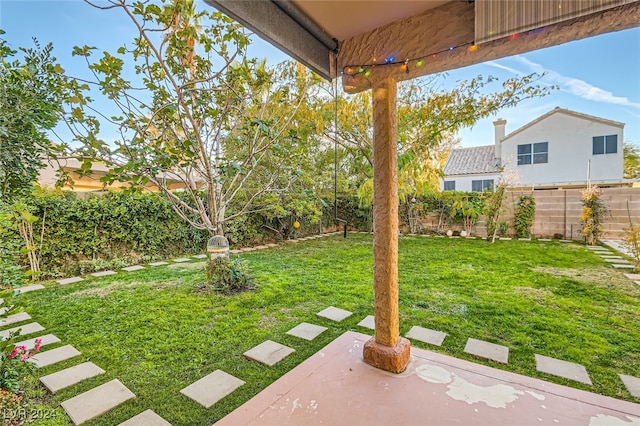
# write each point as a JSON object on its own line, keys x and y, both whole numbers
{"x": 535, "y": 153}
{"x": 449, "y": 185}
{"x": 482, "y": 185}
{"x": 605, "y": 144}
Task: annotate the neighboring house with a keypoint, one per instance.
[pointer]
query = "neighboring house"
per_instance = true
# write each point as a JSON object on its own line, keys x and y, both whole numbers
{"x": 560, "y": 149}
{"x": 91, "y": 182}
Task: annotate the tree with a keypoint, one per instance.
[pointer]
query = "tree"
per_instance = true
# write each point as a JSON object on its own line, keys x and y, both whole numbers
{"x": 197, "y": 111}
{"x": 631, "y": 161}
{"x": 31, "y": 90}
{"x": 428, "y": 119}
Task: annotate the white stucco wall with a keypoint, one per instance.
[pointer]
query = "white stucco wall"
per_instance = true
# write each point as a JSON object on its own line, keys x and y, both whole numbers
{"x": 463, "y": 182}
{"x": 570, "y": 141}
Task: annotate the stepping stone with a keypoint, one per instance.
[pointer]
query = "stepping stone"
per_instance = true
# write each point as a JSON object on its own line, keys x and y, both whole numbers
{"x": 524, "y": 239}
{"x": 97, "y": 401}
{"x": 334, "y": 314}
{"x": 487, "y": 350}
{"x": 544, "y": 239}
{"x": 504, "y": 239}
{"x": 11, "y": 319}
{"x": 212, "y": 388}
{"x": 70, "y": 280}
{"x": 103, "y": 273}
{"x": 306, "y": 331}
{"x": 292, "y": 241}
{"x": 623, "y": 266}
{"x": 368, "y": 322}
{"x": 269, "y": 353}
{"x": 1, "y": 301}
{"x": 182, "y": 259}
{"x": 158, "y": 263}
{"x": 633, "y": 276}
{"x": 32, "y": 327}
{"x": 637, "y": 282}
{"x": 619, "y": 261}
{"x": 29, "y": 288}
{"x": 146, "y": 418}
{"x": 568, "y": 370}
{"x": 612, "y": 257}
{"x": 47, "y": 339}
{"x": 632, "y": 384}
{"x": 426, "y": 335}
{"x": 42, "y": 359}
{"x": 234, "y": 251}
{"x": 271, "y": 245}
{"x": 200, "y": 256}
{"x": 70, "y": 376}
{"x": 566, "y": 241}
{"x": 133, "y": 268}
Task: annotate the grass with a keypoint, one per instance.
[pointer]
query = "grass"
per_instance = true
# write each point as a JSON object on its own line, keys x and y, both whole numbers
{"x": 151, "y": 330}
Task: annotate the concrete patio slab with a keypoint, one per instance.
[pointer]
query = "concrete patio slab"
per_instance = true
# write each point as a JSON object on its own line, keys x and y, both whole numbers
{"x": 182, "y": 260}
{"x": 158, "y": 263}
{"x": 307, "y": 331}
{"x": 71, "y": 280}
{"x": 70, "y": 376}
{"x": 97, "y": 401}
{"x": 334, "y": 314}
{"x": 32, "y": 327}
{"x": 12, "y": 319}
{"x": 632, "y": 384}
{"x": 200, "y": 256}
{"x": 426, "y": 335}
{"x": 133, "y": 268}
{"x": 557, "y": 367}
{"x": 53, "y": 356}
{"x": 633, "y": 276}
{"x": 146, "y": 418}
{"x": 368, "y": 322}
{"x": 487, "y": 350}
{"x": 269, "y": 353}
{"x": 335, "y": 387}
{"x": 212, "y": 388}
{"x": 103, "y": 273}
{"x": 47, "y": 339}
{"x": 27, "y": 289}
{"x": 623, "y": 266}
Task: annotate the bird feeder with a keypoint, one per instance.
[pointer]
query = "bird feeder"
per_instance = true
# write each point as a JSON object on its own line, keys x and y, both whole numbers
{"x": 218, "y": 246}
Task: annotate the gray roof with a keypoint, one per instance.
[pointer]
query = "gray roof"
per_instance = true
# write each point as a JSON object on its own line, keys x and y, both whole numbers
{"x": 477, "y": 159}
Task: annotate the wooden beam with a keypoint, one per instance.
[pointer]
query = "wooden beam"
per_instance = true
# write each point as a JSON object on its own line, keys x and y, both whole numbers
{"x": 452, "y": 24}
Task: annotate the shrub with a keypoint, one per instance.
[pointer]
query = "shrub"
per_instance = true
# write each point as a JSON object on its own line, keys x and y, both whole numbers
{"x": 523, "y": 216}
{"x": 593, "y": 211}
{"x": 228, "y": 276}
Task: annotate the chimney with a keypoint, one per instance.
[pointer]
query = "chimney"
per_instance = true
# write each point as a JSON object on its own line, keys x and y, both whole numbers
{"x": 499, "y": 125}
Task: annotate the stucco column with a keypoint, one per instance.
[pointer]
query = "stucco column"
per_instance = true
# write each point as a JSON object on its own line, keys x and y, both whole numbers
{"x": 386, "y": 350}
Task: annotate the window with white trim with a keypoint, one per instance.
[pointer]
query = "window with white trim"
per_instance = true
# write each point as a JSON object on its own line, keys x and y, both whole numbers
{"x": 449, "y": 185}
{"x": 482, "y": 185}
{"x": 605, "y": 144}
{"x": 533, "y": 153}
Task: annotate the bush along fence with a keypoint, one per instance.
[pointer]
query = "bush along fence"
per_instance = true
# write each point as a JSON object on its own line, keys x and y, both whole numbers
{"x": 65, "y": 235}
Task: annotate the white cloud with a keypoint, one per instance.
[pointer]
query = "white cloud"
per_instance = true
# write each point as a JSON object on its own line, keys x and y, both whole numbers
{"x": 502, "y": 67}
{"x": 578, "y": 87}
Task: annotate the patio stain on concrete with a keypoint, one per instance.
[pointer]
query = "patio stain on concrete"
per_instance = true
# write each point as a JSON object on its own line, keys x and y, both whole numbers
{"x": 495, "y": 396}
{"x": 604, "y": 420}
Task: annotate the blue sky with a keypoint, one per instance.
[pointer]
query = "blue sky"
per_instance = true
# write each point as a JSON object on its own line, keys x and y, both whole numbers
{"x": 598, "y": 76}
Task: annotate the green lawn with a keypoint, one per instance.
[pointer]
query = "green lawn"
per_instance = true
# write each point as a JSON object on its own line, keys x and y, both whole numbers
{"x": 155, "y": 333}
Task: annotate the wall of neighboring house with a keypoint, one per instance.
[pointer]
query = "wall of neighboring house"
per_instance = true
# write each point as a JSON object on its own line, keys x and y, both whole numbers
{"x": 569, "y": 150}
{"x": 465, "y": 182}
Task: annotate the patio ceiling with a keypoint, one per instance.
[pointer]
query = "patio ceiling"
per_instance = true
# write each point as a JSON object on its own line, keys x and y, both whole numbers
{"x": 372, "y": 32}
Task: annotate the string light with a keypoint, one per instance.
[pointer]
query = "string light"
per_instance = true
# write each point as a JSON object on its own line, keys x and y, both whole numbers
{"x": 365, "y": 69}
